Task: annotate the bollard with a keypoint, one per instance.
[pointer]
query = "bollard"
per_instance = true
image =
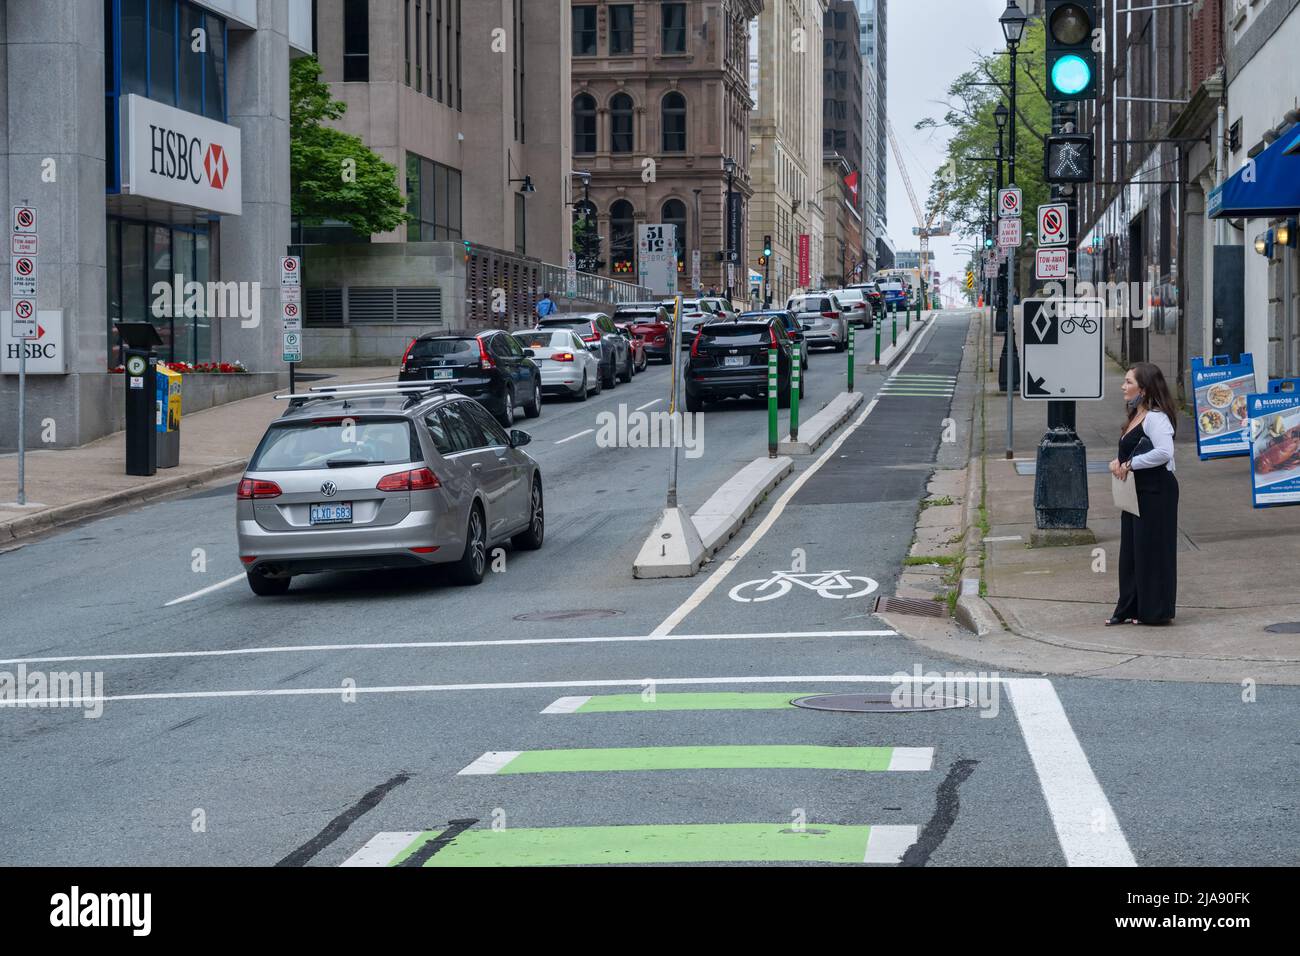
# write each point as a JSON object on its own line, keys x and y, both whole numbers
{"x": 907, "y": 318}
{"x": 878, "y": 323}
{"x": 796, "y": 387}
{"x": 894, "y": 335}
{"x": 772, "y": 387}
{"x": 850, "y": 351}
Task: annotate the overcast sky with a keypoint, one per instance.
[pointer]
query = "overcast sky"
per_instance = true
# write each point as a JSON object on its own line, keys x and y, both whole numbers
{"x": 930, "y": 43}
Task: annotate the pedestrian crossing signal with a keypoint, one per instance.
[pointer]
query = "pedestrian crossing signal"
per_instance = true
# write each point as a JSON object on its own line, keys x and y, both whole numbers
{"x": 1068, "y": 158}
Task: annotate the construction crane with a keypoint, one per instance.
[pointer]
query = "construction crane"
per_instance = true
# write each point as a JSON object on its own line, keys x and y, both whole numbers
{"x": 924, "y": 223}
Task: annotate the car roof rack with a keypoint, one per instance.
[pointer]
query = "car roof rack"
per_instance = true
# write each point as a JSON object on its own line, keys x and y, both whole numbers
{"x": 413, "y": 391}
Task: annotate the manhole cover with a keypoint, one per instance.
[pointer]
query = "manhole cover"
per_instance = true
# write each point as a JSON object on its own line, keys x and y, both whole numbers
{"x": 1287, "y": 627}
{"x": 898, "y": 605}
{"x": 590, "y": 614}
{"x": 874, "y": 704}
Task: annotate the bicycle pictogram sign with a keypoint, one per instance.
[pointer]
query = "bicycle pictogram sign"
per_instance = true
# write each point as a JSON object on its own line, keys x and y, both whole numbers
{"x": 835, "y": 585}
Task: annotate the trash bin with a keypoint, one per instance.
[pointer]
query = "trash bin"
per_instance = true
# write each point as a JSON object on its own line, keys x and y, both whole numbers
{"x": 167, "y": 416}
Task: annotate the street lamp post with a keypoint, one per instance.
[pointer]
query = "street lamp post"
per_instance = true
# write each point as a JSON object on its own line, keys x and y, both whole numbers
{"x": 730, "y": 165}
{"x": 1000, "y": 121}
{"x": 1013, "y": 21}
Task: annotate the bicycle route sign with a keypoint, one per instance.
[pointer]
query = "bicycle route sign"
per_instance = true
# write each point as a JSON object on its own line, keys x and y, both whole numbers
{"x": 835, "y": 585}
{"x": 1064, "y": 349}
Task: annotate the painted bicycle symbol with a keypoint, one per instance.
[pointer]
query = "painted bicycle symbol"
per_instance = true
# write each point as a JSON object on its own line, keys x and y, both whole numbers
{"x": 829, "y": 584}
{"x": 1070, "y": 324}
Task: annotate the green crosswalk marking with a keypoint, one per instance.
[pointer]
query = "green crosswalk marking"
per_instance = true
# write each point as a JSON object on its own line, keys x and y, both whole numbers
{"x": 614, "y": 703}
{"x": 678, "y": 843}
{"x": 781, "y": 756}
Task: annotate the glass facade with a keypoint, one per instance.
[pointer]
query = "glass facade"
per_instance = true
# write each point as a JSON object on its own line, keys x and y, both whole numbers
{"x": 433, "y": 200}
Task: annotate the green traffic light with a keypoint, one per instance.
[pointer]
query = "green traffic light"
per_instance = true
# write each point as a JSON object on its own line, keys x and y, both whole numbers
{"x": 1071, "y": 75}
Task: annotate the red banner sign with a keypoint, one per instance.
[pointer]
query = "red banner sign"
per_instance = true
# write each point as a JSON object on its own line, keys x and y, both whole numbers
{"x": 805, "y": 264}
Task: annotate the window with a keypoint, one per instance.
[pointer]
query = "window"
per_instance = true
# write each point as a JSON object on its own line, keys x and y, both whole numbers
{"x": 584, "y": 31}
{"x": 406, "y": 37}
{"x": 674, "y": 214}
{"x": 162, "y": 34}
{"x": 584, "y": 123}
{"x": 674, "y": 27}
{"x": 433, "y": 201}
{"x": 622, "y": 242}
{"x": 356, "y": 41}
{"x": 674, "y": 123}
{"x": 463, "y": 432}
{"x": 620, "y": 29}
{"x": 214, "y": 82}
{"x": 438, "y": 40}
{"x": 494, "y": 435}
{"x": 521, "y": 224}
{"x": 428, "y": 43}
{"x": 438, "y": 432}
{"x": 620, "y": 128}
{"x": 419, "y": 58}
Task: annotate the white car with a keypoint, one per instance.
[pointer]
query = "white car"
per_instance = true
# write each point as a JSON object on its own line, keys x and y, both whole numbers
{"x": 568, "y": 366}
{"x": 857, "y": 307}
{"x": 695, "y": 312}
{"x": 822, "y": 317}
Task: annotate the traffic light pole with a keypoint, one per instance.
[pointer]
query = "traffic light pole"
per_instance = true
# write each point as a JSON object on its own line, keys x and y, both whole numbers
{"x": 1011, "y": 273}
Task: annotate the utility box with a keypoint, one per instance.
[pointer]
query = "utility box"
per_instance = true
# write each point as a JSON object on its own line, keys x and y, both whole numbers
{"x": 167, "y": 415}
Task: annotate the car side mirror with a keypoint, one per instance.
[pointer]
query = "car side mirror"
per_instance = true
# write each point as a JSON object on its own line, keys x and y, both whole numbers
{"x": 518, "y": 439}
{"x": 528, "y": 353}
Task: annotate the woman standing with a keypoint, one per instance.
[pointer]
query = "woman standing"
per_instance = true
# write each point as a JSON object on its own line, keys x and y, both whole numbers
{"x": 1148, "y": 577}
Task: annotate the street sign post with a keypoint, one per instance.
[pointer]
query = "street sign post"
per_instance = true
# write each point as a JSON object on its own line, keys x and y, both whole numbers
{"x": 1063, "y": 350}
{"x": 1052, "y": 264}
{"x": 291, "y": 314}
{"x": 23, "y": 325}
{"x": 1054, "y": 224}
{"x": 292, "y": 347}
{"x": 1009, "y": 202}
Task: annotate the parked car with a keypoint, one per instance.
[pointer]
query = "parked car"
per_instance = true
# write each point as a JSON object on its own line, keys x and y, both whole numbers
{"x": 603, "y": 338}
{"x": 491, "y": 367}
{"x": 875, "y": 298}
{"x": 857, "y": 307}
{"x": 568, "y": 366}
{"x": 640, "y": 360}
{"x": 729, "y": 360}
{"x": 650, "y": 322}
{"x": 695, "y": 312}
{"x": 788, "y": 324}
{"x": 894, "y": 293}
{"x": 823, "y": 319}
{"x": 367, "y": 481}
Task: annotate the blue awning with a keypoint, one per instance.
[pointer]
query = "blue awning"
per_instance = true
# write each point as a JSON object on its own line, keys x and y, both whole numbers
{"x": 1269, "y": 185}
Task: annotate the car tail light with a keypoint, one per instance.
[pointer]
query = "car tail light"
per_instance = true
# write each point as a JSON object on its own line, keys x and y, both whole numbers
{"x": 695, "y": 344}
{"x": 424, "y": 550}
{"x": 792, "y": 334}
{"x": 421, "y": 479}
{"x": 248, "y": 558}
{"x": 830, "y": 315}
{"x": 407, "y": 354}
{"x": 250, "y": 488}
{"x": 485, "y": 360}
{"x": 562, "y": 357}
{"x": 775, "y": 343}
{"x": 661, "y": 340}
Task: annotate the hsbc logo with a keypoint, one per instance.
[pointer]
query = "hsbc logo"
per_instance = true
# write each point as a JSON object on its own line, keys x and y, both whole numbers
{"x": 177, "y": 156}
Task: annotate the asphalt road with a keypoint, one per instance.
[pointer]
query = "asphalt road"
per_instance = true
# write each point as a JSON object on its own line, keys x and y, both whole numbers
{"x": 335, "y": 723}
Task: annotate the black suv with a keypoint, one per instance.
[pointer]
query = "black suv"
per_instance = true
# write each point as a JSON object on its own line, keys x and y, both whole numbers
{"x": 789, "y": 326}
{"x": 491, "y": 367}
{"x": 729, "y": 360}
{"x": 604, "y": 340}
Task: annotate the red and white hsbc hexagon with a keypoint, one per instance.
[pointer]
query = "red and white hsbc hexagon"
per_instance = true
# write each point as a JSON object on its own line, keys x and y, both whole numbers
{"x": 180, "y": 157}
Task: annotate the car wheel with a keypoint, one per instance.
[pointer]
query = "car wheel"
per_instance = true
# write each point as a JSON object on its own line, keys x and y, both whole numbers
{"x": 264, "y": 586}
{"x": 472, "y": 565}
{"x": 531, "y": 539}
{"x": 611, "y": 374}
{"x": 694, "y": 403}
{"x": 645, "y": 362}
{"x": 626, "y": 374}
{"x": 581, "y": 394}
{"x": 507, "y": 416}
{"x": 600, "y": 382}
{"x": 534, "y": 408}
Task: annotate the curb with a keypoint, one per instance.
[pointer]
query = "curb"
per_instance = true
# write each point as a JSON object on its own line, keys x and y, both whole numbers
{"x": 719, "y": 518}
{"x": 52, "y": 518}
{"x": 890, "y": 360}
{"x": 822, "y": 425}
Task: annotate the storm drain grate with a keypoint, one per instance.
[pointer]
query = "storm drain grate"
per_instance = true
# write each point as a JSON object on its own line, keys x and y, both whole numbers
{"x": 1287, "y": 627}
{"x": 876, "y": 703}
{"x": 588, "y": 614}
{"x": 898, "y": 605}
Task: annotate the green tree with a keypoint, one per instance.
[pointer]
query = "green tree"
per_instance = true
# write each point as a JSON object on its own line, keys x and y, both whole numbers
{"x": 969, "y": 118}
{"x": 332, "y": 174}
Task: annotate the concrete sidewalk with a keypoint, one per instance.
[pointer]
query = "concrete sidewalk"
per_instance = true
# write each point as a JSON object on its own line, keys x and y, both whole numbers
{"x": 1042, "y": 608}
{"x": 71, "y": 484}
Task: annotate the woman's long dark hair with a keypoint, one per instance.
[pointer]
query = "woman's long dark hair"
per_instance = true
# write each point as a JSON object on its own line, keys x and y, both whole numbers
{"x": 1155, "y": 393}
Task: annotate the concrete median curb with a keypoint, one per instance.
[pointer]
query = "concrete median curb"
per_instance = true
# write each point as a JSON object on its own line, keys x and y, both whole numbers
{"x": 719, "y": 518}
{"x": 821, "y": 426}
{"x": 53, "y": 518}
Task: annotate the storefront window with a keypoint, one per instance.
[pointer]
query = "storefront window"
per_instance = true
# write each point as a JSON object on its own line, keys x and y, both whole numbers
{"x": 192, "y": 65}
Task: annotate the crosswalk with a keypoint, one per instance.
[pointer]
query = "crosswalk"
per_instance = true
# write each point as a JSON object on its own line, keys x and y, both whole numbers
{"x": 917, "y": 385}
{"x": 471, "y": 843}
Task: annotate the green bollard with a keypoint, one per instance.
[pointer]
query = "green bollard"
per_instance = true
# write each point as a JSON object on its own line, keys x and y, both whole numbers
{"x": 796, "y": 388}
{"x": 894, "y": 317}
{"x": 772, "y": 386}
{"x": 878, "y": 323}
{"x": 850, "y": 351}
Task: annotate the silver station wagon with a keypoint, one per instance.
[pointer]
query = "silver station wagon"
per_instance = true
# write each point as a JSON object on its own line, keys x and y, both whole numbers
{"x": 384, "y": 476}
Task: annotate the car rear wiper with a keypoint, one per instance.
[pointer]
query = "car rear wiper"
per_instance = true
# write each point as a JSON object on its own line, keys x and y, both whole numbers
{"x": 350, "y": 462}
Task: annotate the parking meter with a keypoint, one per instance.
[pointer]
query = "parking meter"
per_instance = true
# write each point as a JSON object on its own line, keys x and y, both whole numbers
{"x": 140, "y": 339}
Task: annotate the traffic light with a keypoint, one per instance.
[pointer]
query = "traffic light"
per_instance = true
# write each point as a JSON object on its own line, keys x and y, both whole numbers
{"x": 988, "y": 242}
{"x": 762, "y": 260}
{"x": 1068, "y": 158}
{"x": 767, "y": 247}
{"x": 1071, "y": 60}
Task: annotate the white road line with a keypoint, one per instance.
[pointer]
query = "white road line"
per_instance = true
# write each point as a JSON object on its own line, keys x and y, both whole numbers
{"x": 637, "y": 682}
{"x": 1085, "y": 823}
{"x": 641, "y": 408}
{"x": 490, "y": 762}
{"x": 711, "y": 583}
{"x": 912, "y": 758}
{"x": 884, "y": 844}
{"x": 572, "y": 437}
{"x": 207, "y": 590}
{"x": 418, "y": 645}
{"x": 382, "y": 847}
{"x": 566, "y": 705}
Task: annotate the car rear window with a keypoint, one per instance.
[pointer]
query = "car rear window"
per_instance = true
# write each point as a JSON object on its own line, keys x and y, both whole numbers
{"x": 335, "y": 442}
{"x": 466, "y": 348}
{"x": 735, "y": 334}
{"x": 636, "y": 315}
{"x": 566, "y": 322}
{"x": 544, "y": 340}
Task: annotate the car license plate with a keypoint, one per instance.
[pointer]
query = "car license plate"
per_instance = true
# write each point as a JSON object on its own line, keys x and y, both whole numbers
{"x": 442, "y": 374}
{"x": 730, "y": 360}
{"x": 336, "y": 513}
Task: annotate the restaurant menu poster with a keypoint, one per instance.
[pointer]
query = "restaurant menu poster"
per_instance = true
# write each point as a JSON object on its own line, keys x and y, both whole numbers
{"x": 1275, "y": 444}
{"x": 1220, "y": 389}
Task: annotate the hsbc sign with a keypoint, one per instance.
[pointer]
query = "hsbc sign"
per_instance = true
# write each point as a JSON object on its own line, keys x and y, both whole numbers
{"x": 180, "y": 157}
{"x": 45, "y": 353}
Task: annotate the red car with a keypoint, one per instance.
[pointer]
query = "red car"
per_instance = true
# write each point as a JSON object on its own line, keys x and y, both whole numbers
{"x": 651, "y": 326}
{"x": 636, "y": 345}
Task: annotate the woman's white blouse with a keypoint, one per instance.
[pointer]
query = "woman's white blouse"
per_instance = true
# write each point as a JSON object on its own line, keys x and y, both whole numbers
{"x": 1160, "y": 430}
